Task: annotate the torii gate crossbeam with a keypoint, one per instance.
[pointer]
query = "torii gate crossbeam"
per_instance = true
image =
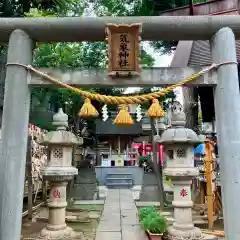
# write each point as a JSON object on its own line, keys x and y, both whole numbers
{"x": 74, "y": 29}
{"x": 23, "y": 33}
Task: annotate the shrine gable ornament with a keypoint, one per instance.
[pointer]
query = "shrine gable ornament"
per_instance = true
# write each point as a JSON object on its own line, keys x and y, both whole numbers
{"x": 123, "y": 49}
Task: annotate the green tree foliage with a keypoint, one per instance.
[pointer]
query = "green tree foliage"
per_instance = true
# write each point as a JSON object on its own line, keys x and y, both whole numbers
{"x": 142, "y": 8}
{"x": 80, "y": 55}
{"x": 73, "y": 55}
{"x": 17, "y": 8}
{"x": 167, "y": 47}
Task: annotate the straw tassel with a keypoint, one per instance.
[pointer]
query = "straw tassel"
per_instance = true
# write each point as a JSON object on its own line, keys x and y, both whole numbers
{"x": 88, "y": 110}
{"x": 155, "y": 110}
{"x": 123, "y": 117}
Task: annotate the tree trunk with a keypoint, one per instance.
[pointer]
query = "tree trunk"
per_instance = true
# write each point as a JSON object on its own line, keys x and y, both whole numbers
{"x": 190, "y": 100}
{"x": 157, "y": 167}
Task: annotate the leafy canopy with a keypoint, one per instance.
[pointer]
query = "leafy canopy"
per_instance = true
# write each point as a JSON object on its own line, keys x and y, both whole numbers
{"x": 81, "y": 55}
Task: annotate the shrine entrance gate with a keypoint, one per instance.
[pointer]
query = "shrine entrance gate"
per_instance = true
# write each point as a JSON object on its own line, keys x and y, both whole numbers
{"x": 21, "y": 34}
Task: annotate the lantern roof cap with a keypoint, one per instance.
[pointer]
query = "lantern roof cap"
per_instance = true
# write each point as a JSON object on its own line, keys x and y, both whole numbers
{"x": 177, "y": 133}
{"x": 60, "y": 120}
{"x": 60, "y": 136}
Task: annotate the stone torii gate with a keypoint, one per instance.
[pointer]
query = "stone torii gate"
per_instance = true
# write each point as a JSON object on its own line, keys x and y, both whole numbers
{"x": 21, "y": 35}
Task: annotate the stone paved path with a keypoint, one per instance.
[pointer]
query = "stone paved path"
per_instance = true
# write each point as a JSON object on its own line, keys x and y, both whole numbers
{"x": 119, "y": 220}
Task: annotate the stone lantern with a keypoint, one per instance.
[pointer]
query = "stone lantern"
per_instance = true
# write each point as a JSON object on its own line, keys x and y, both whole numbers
{"x": 58, "y": 172}
{"x": 160, "y": 124}
{"x": 179, "y": 143}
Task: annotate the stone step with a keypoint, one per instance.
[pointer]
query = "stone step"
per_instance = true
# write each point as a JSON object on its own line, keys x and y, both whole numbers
{"x": 197, "y": 220}
{"x": 88, "y": 174}
{"x": 119, "y": 175}
{"x": 119, "y": 185}
{"x": 118, "y": 180}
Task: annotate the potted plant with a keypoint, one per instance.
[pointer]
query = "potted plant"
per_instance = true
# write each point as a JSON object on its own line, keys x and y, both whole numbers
{"x": 144, "y": 212}
{"x": 155, "y": 226}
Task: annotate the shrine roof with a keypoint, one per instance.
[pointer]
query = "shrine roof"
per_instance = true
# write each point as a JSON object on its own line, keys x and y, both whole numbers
{"x": 108, "y": 128}
{"x": 197, "y": 53}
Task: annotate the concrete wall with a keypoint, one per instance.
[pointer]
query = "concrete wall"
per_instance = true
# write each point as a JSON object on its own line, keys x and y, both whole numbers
{"x": 137, "y": 173}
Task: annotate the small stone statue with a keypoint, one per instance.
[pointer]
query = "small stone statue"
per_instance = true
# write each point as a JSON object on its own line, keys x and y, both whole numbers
{"x": 178, "y": 116}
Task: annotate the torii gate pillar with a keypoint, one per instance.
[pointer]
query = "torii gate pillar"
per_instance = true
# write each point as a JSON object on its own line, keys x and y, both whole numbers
{"x": 14, "y": 135}
{"x": 227, "y": 111}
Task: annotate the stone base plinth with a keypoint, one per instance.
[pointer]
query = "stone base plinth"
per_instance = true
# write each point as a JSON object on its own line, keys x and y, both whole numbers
{"x": 210, "y": 237}
{"x": 204, "y": 237}
{"x": 177, "y": 234}
{"x": 66, "y": 233}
